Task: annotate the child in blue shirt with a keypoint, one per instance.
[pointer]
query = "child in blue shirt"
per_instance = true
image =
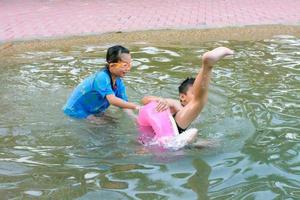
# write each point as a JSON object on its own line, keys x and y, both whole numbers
{"x": 103, "y": 88}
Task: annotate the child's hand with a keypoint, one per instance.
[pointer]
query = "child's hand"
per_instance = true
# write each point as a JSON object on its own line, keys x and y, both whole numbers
{"x": 162, "y": 105}
{"x": 137, "y": 108}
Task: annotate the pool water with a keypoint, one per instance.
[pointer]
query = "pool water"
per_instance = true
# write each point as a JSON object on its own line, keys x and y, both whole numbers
{"x": 253, "y": 114}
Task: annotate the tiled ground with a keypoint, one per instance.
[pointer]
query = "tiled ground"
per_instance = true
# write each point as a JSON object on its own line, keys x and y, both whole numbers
{"x": 29, "y": 19}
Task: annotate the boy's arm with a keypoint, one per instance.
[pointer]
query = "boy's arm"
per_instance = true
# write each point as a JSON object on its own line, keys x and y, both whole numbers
{"x": 145, "y": 100}
{"x": 116, "y": 101}
{"x": 163, "y": 103}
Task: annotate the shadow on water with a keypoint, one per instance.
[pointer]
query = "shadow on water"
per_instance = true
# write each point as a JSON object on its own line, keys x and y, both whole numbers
{"x": 253, "y": 113}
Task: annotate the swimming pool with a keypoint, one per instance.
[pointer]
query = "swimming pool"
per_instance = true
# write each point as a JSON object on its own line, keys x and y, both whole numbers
{"x": 253, "y": 112}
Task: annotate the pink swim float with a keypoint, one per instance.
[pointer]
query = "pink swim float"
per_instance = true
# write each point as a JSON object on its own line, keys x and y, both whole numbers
{"x": 155, "y": 125}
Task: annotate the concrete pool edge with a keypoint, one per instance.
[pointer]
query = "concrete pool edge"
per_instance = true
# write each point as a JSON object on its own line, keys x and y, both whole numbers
{"x": 170, "y": 37}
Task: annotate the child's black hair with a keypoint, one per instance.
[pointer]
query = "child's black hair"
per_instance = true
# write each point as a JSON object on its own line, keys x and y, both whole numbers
{"x": 185, "y": 85}
{"x": 113, "y": 53}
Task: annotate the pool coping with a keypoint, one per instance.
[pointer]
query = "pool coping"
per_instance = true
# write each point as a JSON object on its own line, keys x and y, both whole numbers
{"x": 162, "y": 37}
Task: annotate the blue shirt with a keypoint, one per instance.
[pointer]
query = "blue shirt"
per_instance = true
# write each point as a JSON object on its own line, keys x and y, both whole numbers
{"x": 89, "y": 97}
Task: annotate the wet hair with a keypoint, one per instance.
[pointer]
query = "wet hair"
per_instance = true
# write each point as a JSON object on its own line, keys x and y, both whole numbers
{"x": 185, "y": 85}
{"x": 113, "y": 53}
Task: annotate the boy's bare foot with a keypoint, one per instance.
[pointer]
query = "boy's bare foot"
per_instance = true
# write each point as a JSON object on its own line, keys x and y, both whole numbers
{"x": 213, "y": 56}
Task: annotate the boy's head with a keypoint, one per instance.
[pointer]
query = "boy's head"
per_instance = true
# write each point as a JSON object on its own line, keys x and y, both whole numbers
{"x": 185, "y": 91}
{"x": 118, "y": 59}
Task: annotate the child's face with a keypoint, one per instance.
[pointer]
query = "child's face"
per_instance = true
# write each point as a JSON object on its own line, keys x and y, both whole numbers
{"x": 122, "y": 67}
{"x": 187, "y": 97}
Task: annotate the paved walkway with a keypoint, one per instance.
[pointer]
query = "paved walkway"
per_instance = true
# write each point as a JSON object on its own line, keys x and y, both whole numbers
{"x": 28, "y": 19}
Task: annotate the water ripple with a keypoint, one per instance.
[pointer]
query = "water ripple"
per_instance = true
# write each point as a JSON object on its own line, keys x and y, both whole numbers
{"x": 253, "y": 112}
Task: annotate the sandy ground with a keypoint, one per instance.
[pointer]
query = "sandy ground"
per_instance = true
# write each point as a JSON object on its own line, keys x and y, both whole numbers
{"x": 158, "y": 38}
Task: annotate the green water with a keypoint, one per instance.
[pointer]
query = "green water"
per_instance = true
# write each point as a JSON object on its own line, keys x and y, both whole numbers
{"x": 253, "y": 112}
